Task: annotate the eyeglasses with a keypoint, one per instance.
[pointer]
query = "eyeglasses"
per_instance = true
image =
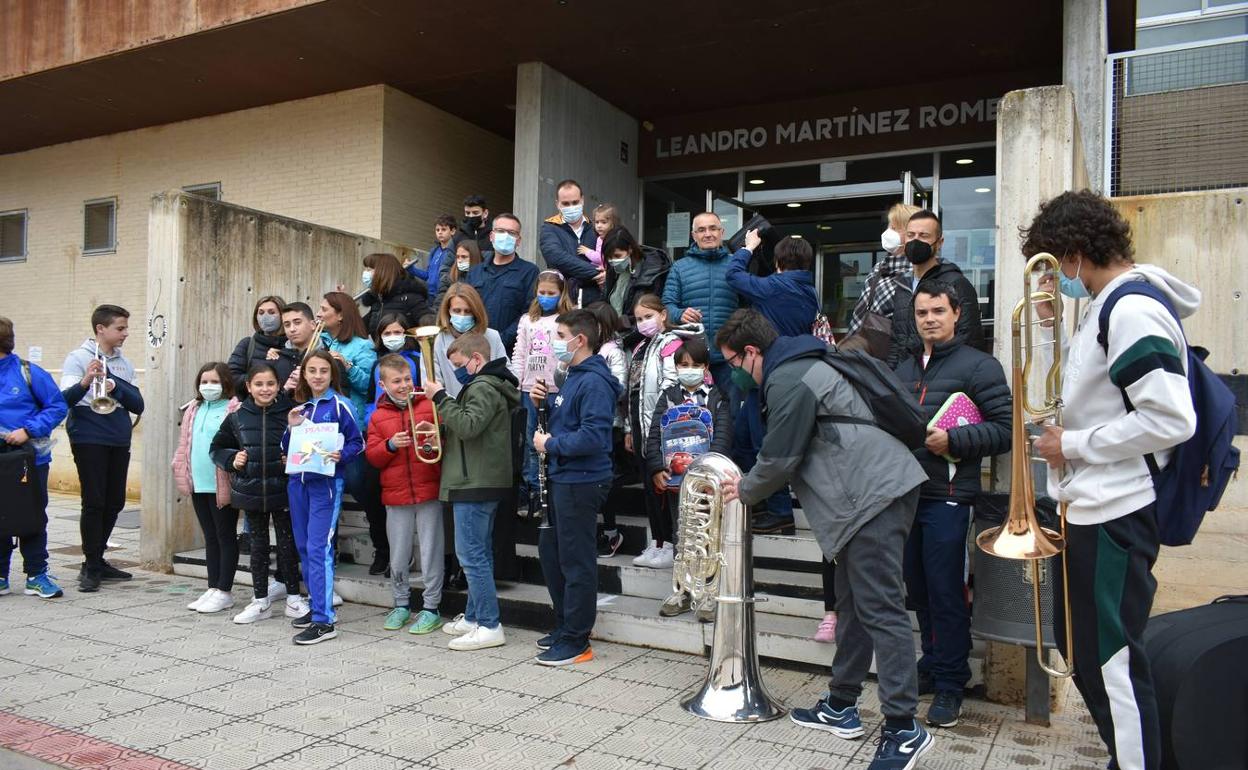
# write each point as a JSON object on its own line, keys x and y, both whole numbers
{"x": 516, "y": 233}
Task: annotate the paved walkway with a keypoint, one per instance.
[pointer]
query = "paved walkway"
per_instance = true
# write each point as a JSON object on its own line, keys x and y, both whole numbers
{"x": 128, "y": 679}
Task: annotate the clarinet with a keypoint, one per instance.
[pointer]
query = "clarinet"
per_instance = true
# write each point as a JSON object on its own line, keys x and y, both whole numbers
{"x": 543, "y": 424}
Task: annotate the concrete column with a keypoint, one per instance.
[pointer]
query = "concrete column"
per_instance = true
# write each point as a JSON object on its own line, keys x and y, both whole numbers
{"x": 1039, "y": 155}
{"x": 1084, "y": 49}
{"x": 565, "y": 131}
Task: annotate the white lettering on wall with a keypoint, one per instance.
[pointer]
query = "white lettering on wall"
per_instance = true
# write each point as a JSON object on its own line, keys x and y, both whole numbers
{"x": 829, "y": 128}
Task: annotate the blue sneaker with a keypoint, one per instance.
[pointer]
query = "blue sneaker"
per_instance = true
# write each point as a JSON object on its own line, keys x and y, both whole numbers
{"x": 548, "y": 641}
{"x": 42, "y": 586}
{"x": 845, "y": 723}
{"x": 4, "y": 586}
{"x": 901, "y": 749}
{"x": 565, "y": 654}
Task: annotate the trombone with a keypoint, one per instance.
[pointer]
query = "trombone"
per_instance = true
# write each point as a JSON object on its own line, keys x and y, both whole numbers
{"x": 428, "y": 441}
{"x": 99, "y": 400}
{"x": 1022, "y": 537}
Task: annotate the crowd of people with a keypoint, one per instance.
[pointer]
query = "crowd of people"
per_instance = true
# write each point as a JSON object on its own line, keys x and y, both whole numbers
{"x": 584, "y": 361}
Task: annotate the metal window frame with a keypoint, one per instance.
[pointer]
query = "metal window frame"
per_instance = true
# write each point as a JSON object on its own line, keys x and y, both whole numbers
{"x": 194, "y": 189}
{"x": 25, "y": 252}
{"x": 1206, "y": 13}
{"x": 1110, "y": 69}
{"x": 112, "y": 247}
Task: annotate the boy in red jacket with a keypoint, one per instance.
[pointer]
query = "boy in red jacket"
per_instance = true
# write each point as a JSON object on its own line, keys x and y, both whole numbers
{"x": 409, "y": 490}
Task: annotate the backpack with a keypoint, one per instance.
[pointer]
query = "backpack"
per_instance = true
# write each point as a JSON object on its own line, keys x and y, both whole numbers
{"x": 892, "y": 405}
{"x": 1200, "y": 468}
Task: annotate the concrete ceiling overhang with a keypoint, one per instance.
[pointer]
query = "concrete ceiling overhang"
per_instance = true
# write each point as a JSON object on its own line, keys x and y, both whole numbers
{"x": 648, "y": 59}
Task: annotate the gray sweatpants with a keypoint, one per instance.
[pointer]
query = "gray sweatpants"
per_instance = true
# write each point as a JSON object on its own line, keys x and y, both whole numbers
{"x": 425, "y": 521}
{"x": 871, "y": 612}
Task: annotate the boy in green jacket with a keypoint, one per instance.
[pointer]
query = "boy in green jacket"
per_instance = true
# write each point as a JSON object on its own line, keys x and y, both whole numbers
{"x": 474, "y": 479}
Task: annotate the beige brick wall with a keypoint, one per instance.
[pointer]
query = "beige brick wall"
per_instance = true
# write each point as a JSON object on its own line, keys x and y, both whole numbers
{"x": 430, "y": 161}
{"x": 316, "y": 159}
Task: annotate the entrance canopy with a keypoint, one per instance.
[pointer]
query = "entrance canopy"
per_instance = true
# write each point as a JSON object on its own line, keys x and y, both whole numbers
{"x": 651, "y": 60}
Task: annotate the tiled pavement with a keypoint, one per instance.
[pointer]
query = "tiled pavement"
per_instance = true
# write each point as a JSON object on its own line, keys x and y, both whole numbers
{"x": 132, "y": 667}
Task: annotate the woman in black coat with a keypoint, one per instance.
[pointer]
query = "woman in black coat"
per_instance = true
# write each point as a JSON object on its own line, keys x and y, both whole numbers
{"x": 267, "y": 345}
{"x": 632, "y": 270}
{"x": 249, "y": 447}
{"x": 392, "y": 290}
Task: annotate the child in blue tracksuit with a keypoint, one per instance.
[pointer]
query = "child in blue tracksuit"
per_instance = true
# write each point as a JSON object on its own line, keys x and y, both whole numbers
{"x": 316, "y": 500}
{"x": 580, "y": 473}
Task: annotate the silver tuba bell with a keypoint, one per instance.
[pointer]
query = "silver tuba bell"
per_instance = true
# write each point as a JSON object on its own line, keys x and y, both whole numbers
{"x": 713, "y": 563}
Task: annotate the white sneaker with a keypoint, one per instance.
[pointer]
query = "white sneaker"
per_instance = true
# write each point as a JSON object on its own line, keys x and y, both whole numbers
{"x": 459, "y": 626}
{"x": 202, "y": 598}
{"x": 645, "y": 558}
{"x": 219, "y": 600}
{"x": 479, "y": 638}
{"x": 259, "y": 609}
{"x": 663, "y": 557}
{"x": 297, "y": 607}
{"x": 337, "y": 599}
{"x": 277, "y": 590}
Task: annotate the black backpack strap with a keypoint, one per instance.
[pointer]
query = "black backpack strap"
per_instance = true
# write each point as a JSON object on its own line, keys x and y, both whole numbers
{"x": 251, "y": 350}
{"x": 30, "y": 385}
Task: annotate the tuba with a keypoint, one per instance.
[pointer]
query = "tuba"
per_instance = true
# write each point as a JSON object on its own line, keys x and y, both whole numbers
{"x": 713, "y": 563}
{"x": 1022, "y": 537}
{"x": 426, "y": 438}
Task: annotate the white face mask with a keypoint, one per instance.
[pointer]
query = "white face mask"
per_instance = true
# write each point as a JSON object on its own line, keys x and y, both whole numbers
{"x": 691, "y": 377}
{"x": 393, "y": 342}
{"x": 890, "y": 241}
{"x": 463, "y": 265}
{"x": 367, "y": 278}
{"x": 211, "y": 391}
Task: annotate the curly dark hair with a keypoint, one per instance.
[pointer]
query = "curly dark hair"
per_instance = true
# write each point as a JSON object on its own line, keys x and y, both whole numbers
{"x": 1079, "y": 221}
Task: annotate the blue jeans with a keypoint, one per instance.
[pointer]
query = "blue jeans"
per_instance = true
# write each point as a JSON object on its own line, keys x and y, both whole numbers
{"x": 935, "y": 573}
{"x": 34, "y": 547}
{"x": 569, "y": 557}
{"x": 474, "y": 534}
{"x": 530, "y": 454}
{"x": 747, "y": 439}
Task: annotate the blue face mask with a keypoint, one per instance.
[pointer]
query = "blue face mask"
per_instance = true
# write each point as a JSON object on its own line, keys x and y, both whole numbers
{"x": 463, "y": 323}
{"x": 571, "y": 214}
{"x": 504, "y": 243}
{"x": 1074, "y": 288}
{"x": 547, "y": 304}
{"x": 462, "y": 374}
{"x": 560, "y": 349}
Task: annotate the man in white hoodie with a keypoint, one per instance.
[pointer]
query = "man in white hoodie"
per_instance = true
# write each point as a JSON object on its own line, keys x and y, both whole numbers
{"x": 1125, "y": 401}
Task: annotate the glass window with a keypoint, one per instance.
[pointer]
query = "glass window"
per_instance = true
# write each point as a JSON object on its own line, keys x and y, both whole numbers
{"x": 1147, "y": 9}
{"x": 968, "y": 214}
{"x": 1191, "y": 32}
{"x": 99, "y": 226}
{"x": 13, "y": 235}
{"x": 211, "y": 190}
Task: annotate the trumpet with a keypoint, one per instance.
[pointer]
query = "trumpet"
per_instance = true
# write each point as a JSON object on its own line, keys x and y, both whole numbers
{"x": 99, "y": 400}
{"x": 428, "y": 441}
{"x": 1022, "y": 537}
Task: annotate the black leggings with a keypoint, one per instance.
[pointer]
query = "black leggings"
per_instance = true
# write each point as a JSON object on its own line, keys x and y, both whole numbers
{"x": 374, "y": 511}
{"x": 829, "y": 586}
{"x": 656, "y": 507}
{"x": 220, "y": 542}
{"x": 287, "y": 554}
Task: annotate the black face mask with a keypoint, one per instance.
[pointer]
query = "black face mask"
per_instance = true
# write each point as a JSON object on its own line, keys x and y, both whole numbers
{"x": 472, "y": 223}
{"x": 918, "y": 251}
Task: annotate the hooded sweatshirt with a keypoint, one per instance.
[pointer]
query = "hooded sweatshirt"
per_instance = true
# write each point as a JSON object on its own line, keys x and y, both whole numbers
{"x": 1106, "y": 475}
{"x": 85, "y": 426}
{"x": 581, "y": 416}
{"x": 787, "y": 299}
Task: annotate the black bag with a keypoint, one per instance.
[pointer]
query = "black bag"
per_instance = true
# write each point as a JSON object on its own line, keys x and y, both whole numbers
{"x": 21, "y": 514}
{"x": 874, "y": 336}
{"x": 894, "y": 407}
{"x": 763, "y": 261}
{"x": 1197, "y": 657}
{"x": 519, "y": 420}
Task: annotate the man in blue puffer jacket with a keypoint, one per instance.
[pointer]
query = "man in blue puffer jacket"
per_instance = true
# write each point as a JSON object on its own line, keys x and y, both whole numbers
{"x": 697, "y": 289}
{"x": 30, "y": 407}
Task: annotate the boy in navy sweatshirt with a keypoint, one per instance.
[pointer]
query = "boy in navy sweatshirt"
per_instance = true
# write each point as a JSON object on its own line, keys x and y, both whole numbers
{"x": 101, "y": 442}
{"x": 580, "y": 472}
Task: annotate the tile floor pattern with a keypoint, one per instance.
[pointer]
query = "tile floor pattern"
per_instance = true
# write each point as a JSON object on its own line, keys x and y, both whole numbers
{"x": 131, "y": 666}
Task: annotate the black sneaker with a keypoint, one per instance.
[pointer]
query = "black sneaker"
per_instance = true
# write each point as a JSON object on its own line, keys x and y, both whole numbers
{"x": 88, "y": 580}
{"x": 244, "y": 543}
{"x": 608, "y": 545}
{"x": 945, "y": 708}
{"x": 458, "y": 581}
{"x": 927, "y": 684}
{"x": 381, "y": 563}
{"x": 772, "y": 524}
{"x": 303, "y": 622}
{"x": 316, "y": 633}
{"x": 109, "y": 572}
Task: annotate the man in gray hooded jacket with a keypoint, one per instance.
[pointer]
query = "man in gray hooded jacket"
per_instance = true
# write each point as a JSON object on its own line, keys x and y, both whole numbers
{"x": 859, "y": 487}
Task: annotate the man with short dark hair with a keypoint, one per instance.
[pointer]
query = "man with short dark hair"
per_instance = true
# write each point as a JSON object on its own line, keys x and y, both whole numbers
{"x": 505, "y": 282}
{"x": 562, "y": 234}
{"x": 101, "y": 441}
{"x": 948, "y": 373}
{"x": 31, "y": 406}
{"x": 859, "y": 486}
{"x": 1128, "y": 405}
{"x": 697, "y": 289}
{"x": 476, "y": 225}
{"x": 923, "y": 241}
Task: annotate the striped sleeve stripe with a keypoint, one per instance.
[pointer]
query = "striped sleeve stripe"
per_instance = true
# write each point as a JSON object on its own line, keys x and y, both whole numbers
{"x": 1145, "y": 355}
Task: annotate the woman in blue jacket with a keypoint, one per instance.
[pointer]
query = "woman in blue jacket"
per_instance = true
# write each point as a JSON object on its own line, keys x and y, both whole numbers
{"x": 315, "y": 499}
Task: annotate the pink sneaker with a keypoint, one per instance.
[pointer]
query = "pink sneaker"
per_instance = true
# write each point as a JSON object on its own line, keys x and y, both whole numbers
{"x": 827, "y": 629}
